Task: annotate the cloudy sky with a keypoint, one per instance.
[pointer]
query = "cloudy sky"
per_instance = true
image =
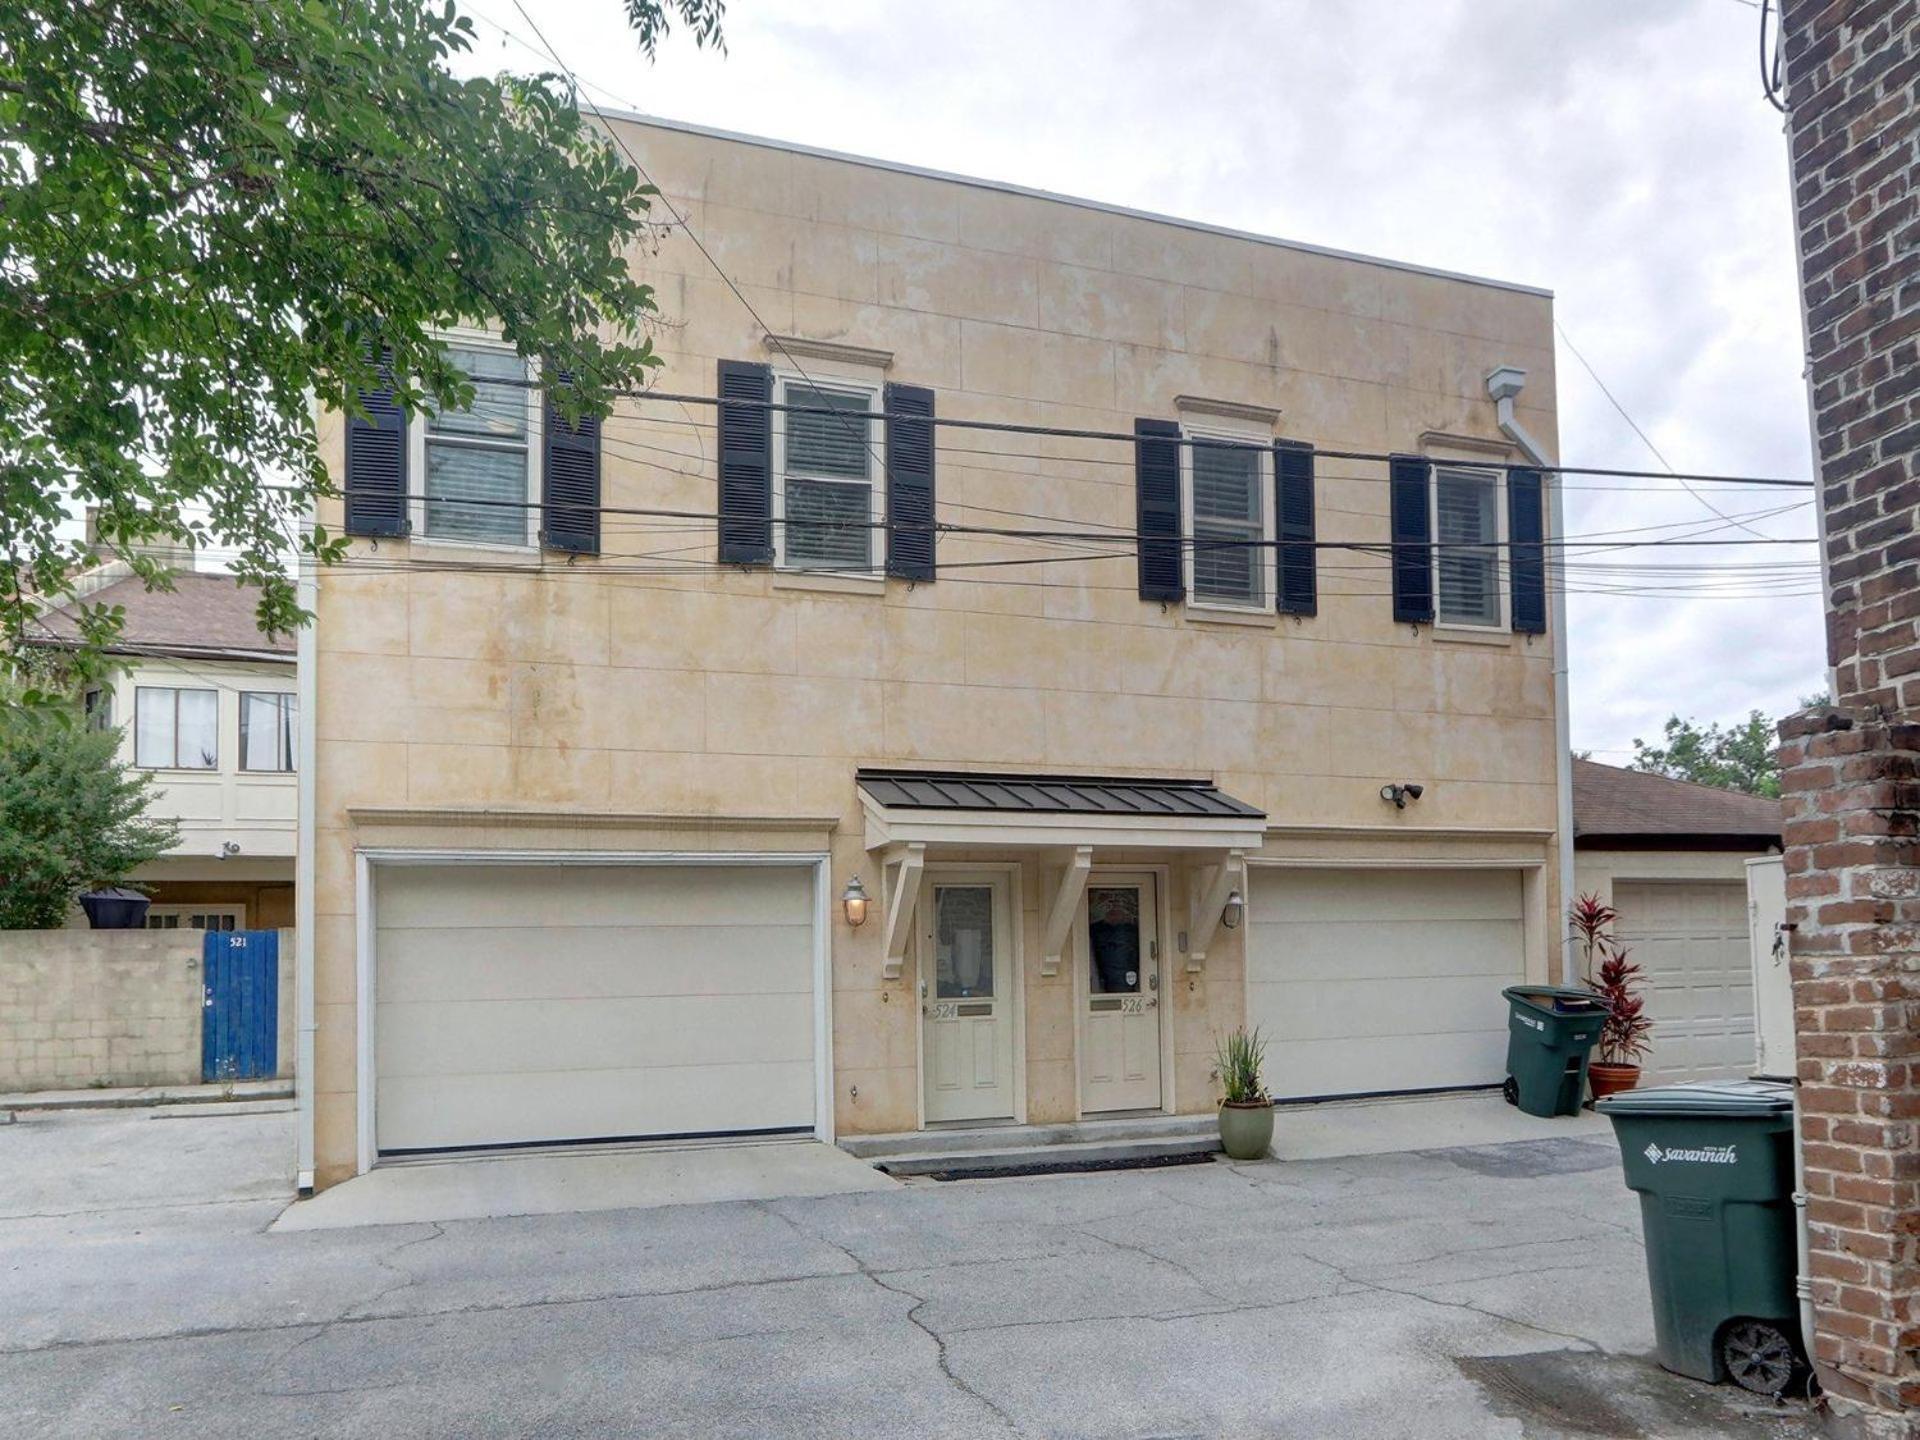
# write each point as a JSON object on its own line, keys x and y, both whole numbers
{"x": 1617, "y": 152}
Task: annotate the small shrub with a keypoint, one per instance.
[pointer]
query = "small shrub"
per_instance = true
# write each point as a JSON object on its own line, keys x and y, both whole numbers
{"x": 1237, "y": 1059}
{"x": 1625, "y": 1039}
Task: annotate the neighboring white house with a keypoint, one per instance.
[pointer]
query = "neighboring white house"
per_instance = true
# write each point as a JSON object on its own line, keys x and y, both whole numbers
{"x": 1671, "y": 857}
{"x": 206, "y": 702}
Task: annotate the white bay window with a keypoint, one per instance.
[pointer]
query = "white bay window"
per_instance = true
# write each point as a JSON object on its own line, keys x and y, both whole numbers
{"x": 176, "y": 729}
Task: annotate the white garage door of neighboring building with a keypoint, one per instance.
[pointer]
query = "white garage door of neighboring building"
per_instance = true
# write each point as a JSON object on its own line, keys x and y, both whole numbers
{"x": 1691, "y": 938}
{"x": 1382, "y": 980}
{"x": 521, "y": 1004}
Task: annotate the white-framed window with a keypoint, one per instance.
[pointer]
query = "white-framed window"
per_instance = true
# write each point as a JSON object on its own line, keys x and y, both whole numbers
{"x": 269, "y": 730}
{"x": 1469, "y": 524}
{"x": 176, "y": 729}
{"x": 476, "y": 472}
{"x": 98, "y": 707}
{"x": 1226, "y": 489}
{"x": 196, "y": 917}
{"x": 829, "y": 504}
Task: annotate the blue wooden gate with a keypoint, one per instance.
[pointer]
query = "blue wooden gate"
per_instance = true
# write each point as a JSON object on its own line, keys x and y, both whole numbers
{"x": 240, "y": 1029}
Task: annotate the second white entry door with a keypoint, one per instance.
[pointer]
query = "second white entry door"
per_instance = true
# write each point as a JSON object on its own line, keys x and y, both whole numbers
{"x": 968, "y": 986}
{"x": 1120, "y": 995}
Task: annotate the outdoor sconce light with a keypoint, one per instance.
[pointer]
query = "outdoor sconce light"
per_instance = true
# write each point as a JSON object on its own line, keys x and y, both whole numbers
{"x": 853, "y": 902}
{"x": 1231, "y": 912}
{"x": 1398, "y": 795}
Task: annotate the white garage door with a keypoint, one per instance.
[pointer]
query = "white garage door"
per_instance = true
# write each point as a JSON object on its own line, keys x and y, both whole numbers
{"x": 1691, "y": 938}
{"x": 522, "y": 1004}
{"x": 1382, "y": 980}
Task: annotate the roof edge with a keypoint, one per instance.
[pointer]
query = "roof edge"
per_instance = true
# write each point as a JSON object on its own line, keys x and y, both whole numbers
{"x": 1008, "y": 187}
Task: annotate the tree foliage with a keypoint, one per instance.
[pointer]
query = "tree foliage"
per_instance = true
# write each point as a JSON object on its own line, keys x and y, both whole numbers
{"x": 72, "y": 817}
{"x": 1735, "y": 757}
{"x": 219, "y": 211}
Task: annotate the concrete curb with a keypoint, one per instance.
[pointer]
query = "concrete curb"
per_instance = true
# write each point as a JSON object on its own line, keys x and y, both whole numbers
{"x": 137, "y": 1097}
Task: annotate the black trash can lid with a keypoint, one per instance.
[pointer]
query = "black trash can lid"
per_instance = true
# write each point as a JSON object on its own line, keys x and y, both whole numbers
{"x": 1731, "y": 1098}
{"x": 1556, "y": 999}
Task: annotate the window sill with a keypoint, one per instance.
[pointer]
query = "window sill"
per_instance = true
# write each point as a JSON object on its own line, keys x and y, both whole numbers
{"x": 1471, "y": 635}
{"x": 1230, "y": 615}
{"x": 425, "y": 546}
{"x": 828, "y": 581}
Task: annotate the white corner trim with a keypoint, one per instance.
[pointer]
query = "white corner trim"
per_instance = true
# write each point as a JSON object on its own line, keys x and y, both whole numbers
{"x": 1242, "y": 410}
{"x": 863, "y": 356}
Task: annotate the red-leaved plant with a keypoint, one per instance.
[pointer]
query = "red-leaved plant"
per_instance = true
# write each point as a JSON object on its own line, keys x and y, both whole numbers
{"x": 1624, "y": 1039}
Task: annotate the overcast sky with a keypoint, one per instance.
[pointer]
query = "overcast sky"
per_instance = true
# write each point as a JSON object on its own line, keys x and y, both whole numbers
{"x": 1617, "y": 152}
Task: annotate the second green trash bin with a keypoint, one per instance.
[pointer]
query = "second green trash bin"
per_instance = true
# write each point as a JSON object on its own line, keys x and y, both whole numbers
{"x": 1712, "y": 1163}
{"x": 1550, "y": 1030}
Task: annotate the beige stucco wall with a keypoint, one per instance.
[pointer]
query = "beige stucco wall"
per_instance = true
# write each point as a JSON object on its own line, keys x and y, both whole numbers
{"x": 1596, "y": 872}
{"x": 727, "y": 693}
{"x": 81, "y": 1008}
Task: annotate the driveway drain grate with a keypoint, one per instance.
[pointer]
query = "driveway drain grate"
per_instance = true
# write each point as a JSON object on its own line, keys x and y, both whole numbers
{"x": 986, "y": 1170}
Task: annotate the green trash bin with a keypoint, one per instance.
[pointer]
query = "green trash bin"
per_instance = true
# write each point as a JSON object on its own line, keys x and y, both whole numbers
{"x": 1713, "y": 1165}
{"x": 1550, "y": 1031}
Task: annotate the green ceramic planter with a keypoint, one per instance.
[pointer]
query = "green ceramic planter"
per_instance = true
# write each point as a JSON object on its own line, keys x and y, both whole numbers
{"x": 1246, "y": 1131}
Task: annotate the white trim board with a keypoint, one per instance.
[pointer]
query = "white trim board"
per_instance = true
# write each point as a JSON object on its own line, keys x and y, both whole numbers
{"x": 368, "y": 859}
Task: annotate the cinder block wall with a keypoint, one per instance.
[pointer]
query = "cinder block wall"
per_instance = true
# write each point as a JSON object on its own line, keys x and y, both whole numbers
{"x": 99, "y": 1007}
{"x": 1852, "y": 796}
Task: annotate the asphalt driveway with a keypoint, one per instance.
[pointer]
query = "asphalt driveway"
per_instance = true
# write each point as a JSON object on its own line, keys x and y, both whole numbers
{"x": 1480, "y": 1291}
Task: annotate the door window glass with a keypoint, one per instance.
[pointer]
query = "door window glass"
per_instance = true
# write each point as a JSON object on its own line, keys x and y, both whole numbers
{"x": 963, "y": 941}
{"x": 1113, "y": 937}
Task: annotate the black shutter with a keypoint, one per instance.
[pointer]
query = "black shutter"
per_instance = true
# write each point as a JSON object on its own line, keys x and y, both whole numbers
{"x": 1296, "y": 581}
{"x": 909, "y": 481}
{"x": 1412, "y": 535}
{"x": 1527, "y": 552}
{"x": 570, "y": 481}
{"x": 746, "y": 463}
{"x": 377, "y": 462}
{"x": 1156, "y": 475}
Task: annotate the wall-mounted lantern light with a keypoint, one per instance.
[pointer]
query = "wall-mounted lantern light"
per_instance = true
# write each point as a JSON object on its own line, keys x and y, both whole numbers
{"x": 1398, "y": 795}
{"x": 1231, "y": 912}
{"x": 853, "y": 902}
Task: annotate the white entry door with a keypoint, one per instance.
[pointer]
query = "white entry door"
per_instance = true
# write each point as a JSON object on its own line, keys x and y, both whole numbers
{"x": 967, "y": 996}
{"x": 1120, "y": 995}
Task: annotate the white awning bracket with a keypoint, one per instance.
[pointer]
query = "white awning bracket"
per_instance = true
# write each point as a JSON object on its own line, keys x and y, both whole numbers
{"x": 902, "y": 898}
{"x": 1066, "y": 906}
{"x": 1210, "y": 890}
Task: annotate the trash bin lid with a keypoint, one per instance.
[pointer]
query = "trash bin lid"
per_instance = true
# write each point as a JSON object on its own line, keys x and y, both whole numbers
{"x": 1561, "y": 999}
{"x": 1733, "y": 1098}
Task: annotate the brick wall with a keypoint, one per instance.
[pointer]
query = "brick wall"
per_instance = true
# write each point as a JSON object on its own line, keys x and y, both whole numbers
{"x": 1849, "y": 773}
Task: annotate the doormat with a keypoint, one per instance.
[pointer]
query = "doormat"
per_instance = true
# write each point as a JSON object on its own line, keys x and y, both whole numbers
{"x": 987, "y": 1171}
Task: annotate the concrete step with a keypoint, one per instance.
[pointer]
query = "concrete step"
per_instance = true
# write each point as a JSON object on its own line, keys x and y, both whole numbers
{"x": 1048, "y": 1159}
{"x": 986, "y": 1138}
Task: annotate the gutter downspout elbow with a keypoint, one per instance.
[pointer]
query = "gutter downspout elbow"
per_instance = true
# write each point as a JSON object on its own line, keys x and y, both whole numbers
{"x": 1504, "y": 383}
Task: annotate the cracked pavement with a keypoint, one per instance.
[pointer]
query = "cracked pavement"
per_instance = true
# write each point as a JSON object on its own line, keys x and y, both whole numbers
{"x": 140, "y": 1295}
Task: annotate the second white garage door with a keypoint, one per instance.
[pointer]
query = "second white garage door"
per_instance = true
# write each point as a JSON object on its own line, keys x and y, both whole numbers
{"x": 1691, "y": 939}
{"x": 518, "y": 1005}
{"x": 1382, "y": 980}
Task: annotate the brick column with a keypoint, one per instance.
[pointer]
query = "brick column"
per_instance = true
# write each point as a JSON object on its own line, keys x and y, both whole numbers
{"x": 1852, "y": 803}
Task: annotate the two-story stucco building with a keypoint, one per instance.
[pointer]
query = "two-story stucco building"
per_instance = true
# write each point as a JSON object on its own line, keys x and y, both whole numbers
{"x": 1038, "y": 565}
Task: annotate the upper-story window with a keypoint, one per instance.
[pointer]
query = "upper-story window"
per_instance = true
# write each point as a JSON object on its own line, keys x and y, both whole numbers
{"x": 1468, "y": 524}
{"x": 1229, "y": 521}
{"x": 98, "y": 705}
{"x": 268, "y": 730}
{"x": 176, "y": 729}
{"x": 478, "y": 468}
{"x": 826, "y": 459}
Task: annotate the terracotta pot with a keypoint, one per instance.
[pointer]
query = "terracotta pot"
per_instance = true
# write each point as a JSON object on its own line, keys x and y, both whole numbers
{"x": 1246, "y": 1129}
{"x": 1604, "y": 1079}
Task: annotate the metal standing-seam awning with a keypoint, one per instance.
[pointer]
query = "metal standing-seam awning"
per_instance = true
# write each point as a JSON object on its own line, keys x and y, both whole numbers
{"x": 909, "y": 811}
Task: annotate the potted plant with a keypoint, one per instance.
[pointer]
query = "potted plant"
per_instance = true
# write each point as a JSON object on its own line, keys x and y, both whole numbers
{"x": 1617, "y": 980}
{"x": 1246, "y": 1112}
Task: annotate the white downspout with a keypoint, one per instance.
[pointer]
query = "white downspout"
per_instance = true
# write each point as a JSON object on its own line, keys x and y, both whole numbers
{"x": 307, "y": 680}
{"x": 1504, "y": 382}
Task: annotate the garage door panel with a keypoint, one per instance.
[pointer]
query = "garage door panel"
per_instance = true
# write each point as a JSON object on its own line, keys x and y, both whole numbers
{"x": 1372, "y": 980}
{"x": 1350, "y": 1067}
{"x": 1691, "y": 939}
{"x": 1400, "y": 949}
{"x": 516, "y": 1004}
{"x": 449, "y": 1038}
{"x": 487, "y": 897}
{"x": 527, "y": 963}
{"x": 477, "y": 1110}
